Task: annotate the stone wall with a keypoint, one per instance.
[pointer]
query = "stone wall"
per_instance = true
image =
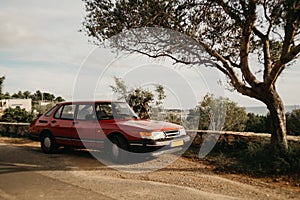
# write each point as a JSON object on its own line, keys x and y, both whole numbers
{"x": 232, "y": 138}
{"x": 14, "y": 129}
{"x": 229, "y": 137}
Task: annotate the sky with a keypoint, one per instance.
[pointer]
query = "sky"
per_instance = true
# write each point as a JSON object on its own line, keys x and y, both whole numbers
{"x": 41, "y": 48}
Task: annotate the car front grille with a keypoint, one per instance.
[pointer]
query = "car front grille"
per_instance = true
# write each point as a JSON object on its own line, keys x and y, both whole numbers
{"x": 172, "y": 134}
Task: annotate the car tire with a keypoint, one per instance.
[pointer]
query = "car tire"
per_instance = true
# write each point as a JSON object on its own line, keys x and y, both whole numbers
{"x": 117, "y": 149}
{"x": 48, "y": 144}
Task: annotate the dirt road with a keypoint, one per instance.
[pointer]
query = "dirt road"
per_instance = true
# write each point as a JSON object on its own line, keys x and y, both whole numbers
{"x": 27, "y": 173}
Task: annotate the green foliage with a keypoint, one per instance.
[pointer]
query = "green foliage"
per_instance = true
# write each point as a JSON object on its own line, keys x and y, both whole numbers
{"x": 120, "y": 89}
{"x": 40, "y": 109}
{"x": 258, "y": 123}
{"x": 36, "y": 97}
{"x": 17, "y": 115}
{"x": 222, "y": 113}
{"x": 6, "y": 96}
{"x": 293, "y": 122}
{"x": 254, "y": 159}
{"x": 236, "y": 116}
{"x": 59, "y": 99}
{"x": 161, "y": 95}
{"x": 263, "y": 158}
{"x": 139, "y": 99}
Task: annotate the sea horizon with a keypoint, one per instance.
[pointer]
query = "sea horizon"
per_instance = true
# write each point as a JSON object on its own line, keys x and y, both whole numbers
{"x": 262, "y": 110}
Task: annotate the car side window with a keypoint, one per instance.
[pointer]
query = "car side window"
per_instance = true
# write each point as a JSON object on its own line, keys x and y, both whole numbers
{"x": 66, "y": 112}
{"x": 104, "y": 111}
{"x": 86, "y": 112}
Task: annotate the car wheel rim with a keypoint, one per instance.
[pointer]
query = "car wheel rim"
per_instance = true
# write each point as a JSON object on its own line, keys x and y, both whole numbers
{"x": 115, "y": 150}
{"x": 47, "y": 143}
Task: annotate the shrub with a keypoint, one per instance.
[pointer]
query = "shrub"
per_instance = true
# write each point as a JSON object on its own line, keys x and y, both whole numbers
{"x": 17, "y": 115}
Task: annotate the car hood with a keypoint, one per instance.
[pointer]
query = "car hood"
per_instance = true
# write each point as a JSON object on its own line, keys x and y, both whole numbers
{"x": 149, "y": 125}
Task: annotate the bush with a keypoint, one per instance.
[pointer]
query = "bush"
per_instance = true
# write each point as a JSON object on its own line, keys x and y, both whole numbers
{"x": 254, "y": 159}
{"x": 17, "y": 115}
{"x": 262, "y": 159}
{"x": 257, "y": 123}
{"x": 293, "y": 122}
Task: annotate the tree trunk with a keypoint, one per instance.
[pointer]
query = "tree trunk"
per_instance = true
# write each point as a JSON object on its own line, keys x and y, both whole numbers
{"x": 278, "y": 121}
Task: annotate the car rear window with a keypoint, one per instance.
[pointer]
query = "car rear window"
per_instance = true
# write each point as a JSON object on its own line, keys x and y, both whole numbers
{"x": 47, "y": 114}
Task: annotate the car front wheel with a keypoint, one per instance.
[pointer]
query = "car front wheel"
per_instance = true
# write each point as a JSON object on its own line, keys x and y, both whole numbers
{"x": 48, "y": 144}
{"x": 117, "y": 149}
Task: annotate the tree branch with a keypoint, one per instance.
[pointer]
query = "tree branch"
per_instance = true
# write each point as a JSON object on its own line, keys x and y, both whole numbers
{"x": 290, "y": 30}
{"x": 164, "y": 55}
{"x": 228, "y": 10}
{"x": 247, "y": 29}
{"x": 267, "y": 18}
{"x": 279, "y": 66}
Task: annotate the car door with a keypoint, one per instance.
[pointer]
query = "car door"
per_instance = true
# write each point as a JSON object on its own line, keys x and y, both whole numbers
{"x": 85, "y": 124}
{"x": 62, "y": 124}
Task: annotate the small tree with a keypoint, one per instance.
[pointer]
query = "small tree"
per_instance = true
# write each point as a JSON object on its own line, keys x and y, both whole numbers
{"x": 6, "y": 96}
{"x": 19, "y": 95}
{"x": 234, "y": 118}
{"x": 161, "y": 95}
{"x": 59, "y": 99}
{"x": 139, "y": 99}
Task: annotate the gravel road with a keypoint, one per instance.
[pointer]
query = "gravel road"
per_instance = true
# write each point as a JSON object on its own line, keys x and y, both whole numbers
{"x": 27, "y": 173}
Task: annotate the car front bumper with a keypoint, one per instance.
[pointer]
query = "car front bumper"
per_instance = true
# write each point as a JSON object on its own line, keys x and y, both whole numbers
{"x": 174, "y": 142}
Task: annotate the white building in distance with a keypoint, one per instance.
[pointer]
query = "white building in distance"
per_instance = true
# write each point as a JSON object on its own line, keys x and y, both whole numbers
{"x": 13, "y": 103}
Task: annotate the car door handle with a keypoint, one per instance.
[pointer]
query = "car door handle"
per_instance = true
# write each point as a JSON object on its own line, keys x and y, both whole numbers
{"x": 53, "y": 121}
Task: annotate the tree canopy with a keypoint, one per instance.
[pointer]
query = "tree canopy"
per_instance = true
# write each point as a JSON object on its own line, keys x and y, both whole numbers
{"x": 207, "y": 114}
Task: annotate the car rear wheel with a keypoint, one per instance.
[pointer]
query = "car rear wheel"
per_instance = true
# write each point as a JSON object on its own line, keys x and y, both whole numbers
{"x": 118, "y": 149}
{"x": 48, "y": 144}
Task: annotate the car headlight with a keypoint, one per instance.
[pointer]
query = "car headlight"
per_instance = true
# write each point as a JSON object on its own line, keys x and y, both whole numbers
{"x": 182, "y": 131}
{"x": 153, "y": 135}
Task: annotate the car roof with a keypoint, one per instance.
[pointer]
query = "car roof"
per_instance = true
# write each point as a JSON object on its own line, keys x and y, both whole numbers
{"x": 89, "y": 102}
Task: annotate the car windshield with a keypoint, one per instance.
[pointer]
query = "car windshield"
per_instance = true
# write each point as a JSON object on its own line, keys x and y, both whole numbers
{"x": 114, "y": 110}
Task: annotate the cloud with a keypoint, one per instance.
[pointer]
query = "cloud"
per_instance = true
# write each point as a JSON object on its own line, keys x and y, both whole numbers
{"x": 15, "y": 31}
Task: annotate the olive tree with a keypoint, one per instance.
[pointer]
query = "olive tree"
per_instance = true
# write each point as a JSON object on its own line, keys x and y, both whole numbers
{"x": 232, "y": 32}
{"x": 235, "y": 117}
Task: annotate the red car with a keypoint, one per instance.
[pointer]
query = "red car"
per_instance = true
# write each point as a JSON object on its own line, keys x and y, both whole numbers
{"x": 105, "y": 124}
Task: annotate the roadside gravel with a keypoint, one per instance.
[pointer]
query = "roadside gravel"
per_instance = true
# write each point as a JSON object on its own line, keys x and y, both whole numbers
{"x": 78, "y": 167}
